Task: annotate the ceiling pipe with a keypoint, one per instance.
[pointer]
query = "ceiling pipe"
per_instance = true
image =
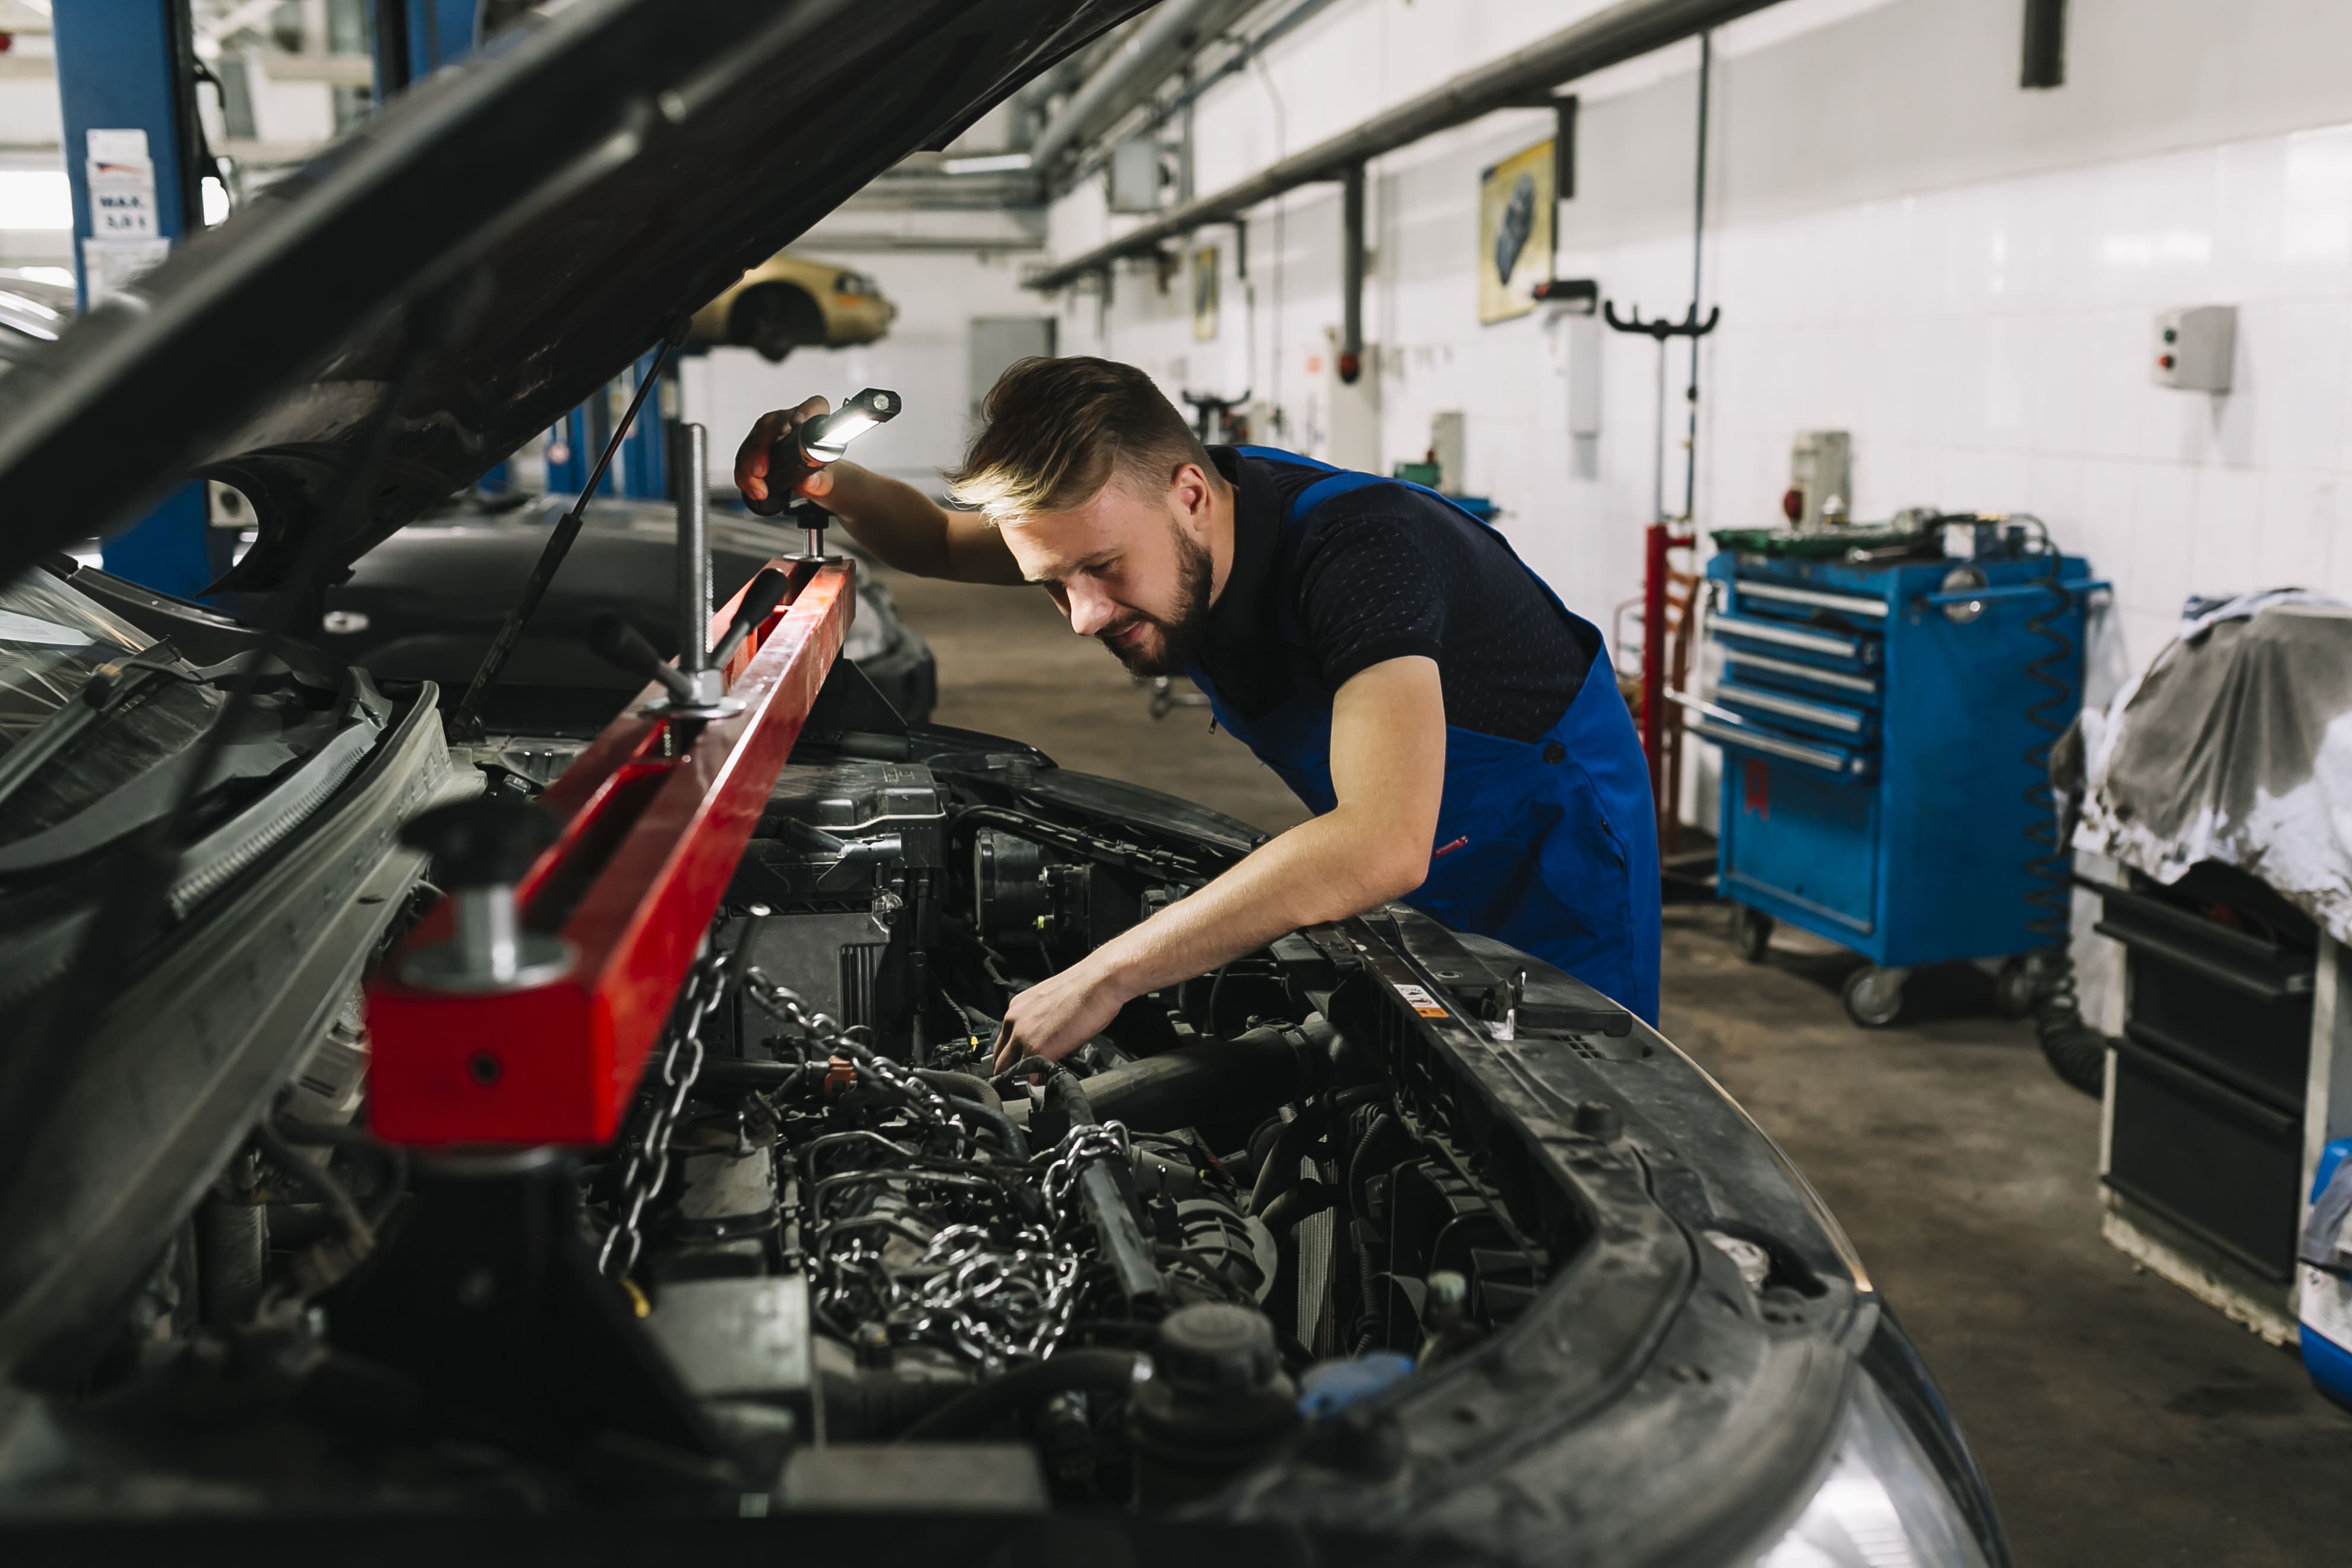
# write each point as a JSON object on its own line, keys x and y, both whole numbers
{"x": 1152, "y": 52}
{"x": 1525, "y": 77}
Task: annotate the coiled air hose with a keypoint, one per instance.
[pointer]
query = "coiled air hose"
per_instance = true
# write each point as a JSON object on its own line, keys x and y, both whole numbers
{"x": 2076, "y": 1052}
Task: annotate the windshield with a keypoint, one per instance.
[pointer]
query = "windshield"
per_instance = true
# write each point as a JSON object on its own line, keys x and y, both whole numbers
{"x": 51, "y": 639}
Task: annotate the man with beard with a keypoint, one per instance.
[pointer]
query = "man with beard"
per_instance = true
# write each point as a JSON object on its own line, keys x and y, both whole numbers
{"x": 1456, "y": 732}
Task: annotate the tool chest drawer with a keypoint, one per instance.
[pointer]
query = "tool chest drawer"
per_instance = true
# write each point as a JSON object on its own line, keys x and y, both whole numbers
{"x": 2223, "y": 1166}
{"x": 1802, "y": 838}
{"x": 1836, "y": 650}
{"x": 1777, "y": 705}
{"x": 2210, "y": 1076}
{"x": 2218, "y": 976}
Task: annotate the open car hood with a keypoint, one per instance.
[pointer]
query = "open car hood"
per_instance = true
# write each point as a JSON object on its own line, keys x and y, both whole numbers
{"x": 591, "y": 175}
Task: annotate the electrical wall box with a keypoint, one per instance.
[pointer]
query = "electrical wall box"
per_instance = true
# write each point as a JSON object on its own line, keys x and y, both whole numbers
{"x": 1136, "y": 175}
{"x": 2194, "y": 347}
{"x": 1820, "y": 479}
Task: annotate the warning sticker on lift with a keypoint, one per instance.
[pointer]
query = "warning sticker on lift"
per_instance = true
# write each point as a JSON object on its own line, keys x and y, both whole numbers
{"x": 1421, "y": 1001}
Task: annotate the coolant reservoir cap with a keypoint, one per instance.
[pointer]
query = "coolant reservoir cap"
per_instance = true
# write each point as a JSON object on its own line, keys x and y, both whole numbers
{"x": 1212, "y": 1345}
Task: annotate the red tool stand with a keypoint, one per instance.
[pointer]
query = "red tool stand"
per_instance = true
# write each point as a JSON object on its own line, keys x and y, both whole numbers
{"x": 487, "y": 1298}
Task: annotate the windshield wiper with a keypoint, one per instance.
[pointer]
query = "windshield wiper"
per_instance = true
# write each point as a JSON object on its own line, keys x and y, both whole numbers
{"x": 103, "y": 690}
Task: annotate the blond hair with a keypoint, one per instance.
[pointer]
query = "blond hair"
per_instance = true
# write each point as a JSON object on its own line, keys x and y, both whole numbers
{"x": 1053, "y": 432}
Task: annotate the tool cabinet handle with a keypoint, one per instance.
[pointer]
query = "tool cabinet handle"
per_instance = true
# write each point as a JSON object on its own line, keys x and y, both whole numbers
{"x": 2008, "y": 591}
{"x": 1822, "y": 713}
{"x": 1828, "y": 761}
{"x": 1790, "y": 636}
{"x": 2219, "y": 969}
{"x": 1846, "y": 604}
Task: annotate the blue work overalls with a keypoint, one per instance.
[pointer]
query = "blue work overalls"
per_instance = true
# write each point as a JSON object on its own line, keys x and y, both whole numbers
{"x": 1549, "y": 845}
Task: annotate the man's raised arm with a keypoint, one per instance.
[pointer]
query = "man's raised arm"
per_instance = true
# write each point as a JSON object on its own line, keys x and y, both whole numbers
{"x": 1388, "y": 769}
{"x": 903, "y": 527}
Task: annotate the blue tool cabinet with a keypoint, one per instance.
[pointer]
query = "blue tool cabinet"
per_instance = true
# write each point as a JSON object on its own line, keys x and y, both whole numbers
{"x": 1883, "y": 726}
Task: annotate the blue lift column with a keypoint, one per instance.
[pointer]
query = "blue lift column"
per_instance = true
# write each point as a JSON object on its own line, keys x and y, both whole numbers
{"x": 126, "y": 84}
{"x": 640, "y": 469}
{"x": 414, "y": 39}
{"x": 644, "y": 459}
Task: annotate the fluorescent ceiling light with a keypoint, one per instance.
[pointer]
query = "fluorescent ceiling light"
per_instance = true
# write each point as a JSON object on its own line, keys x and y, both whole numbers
{"x": 35, "y": 199}
{"x": 989, "y": 164}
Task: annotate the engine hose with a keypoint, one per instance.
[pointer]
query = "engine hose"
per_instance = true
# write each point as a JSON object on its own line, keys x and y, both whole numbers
{"x": 1308, "y": 1197}
{"x": 1280, "y": 1172}
{"x": 338, "y": 1197}
{"x": 2050, "y": 863}
{"x": 1381, "y": 1125}
{"x": 1368, "y": 1321}
{"x": 2077, "y": 1052}
{"x": 1095, "y": 1370}
{"x": 993, "y": 1118}
{"x": 962, "y": 1085}
{"x": 1244, "y": 1078}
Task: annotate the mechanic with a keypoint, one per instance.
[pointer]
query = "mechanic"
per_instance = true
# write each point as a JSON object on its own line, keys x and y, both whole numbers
{"x": 1456, "y": 729}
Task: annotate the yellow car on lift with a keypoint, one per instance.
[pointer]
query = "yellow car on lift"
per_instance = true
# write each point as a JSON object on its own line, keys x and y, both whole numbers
{"x": 791, "y": 302}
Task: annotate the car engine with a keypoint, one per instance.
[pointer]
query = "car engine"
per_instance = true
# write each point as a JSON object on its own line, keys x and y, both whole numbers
{"x": 1129, "y": 1260}
{"x": 1120, "y": 1279}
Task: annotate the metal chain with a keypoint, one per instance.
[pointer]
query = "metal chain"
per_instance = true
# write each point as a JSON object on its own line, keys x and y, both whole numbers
{"x": 681, "y": 1062}
{"x": 1096, "y": 1141}
{"x": 819, "y": 1030}
{"x": 996, "y": 1302}
{"x": 995, "y": 1294}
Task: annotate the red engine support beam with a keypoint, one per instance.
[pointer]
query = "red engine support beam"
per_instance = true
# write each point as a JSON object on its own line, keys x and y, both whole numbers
{"x": 655, "y": 816}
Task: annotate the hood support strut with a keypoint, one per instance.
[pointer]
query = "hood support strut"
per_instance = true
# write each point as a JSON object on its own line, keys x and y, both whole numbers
{"x": 466, "y": 723}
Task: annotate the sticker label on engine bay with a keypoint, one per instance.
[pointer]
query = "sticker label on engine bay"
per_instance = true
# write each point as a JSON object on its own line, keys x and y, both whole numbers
{"x": 1420, "y": 1001}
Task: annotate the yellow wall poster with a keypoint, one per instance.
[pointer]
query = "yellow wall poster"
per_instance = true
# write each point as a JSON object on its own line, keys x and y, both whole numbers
{"x": 1515, "y": 233}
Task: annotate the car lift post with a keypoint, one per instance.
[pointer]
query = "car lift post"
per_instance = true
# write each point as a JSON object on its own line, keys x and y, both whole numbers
{"x": 126, "y": 86}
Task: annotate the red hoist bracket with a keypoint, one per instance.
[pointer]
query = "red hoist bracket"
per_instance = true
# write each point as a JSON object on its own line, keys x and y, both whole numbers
{"x": 655, "y": 815}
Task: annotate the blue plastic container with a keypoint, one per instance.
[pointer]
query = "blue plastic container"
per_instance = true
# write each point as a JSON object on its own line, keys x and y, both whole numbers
{"x": 2327, "y": 1304}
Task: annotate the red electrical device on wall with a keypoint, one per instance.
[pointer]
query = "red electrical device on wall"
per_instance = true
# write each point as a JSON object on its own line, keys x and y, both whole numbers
{"x": 651, "y": 822}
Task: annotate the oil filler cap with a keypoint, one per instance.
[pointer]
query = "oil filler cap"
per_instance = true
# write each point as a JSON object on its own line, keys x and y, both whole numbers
{"x": 1215, "y": 1346}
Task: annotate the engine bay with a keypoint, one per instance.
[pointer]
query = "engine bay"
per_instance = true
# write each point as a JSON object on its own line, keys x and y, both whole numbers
{"x": 1122, "y": 1279}
{"x": 1126, "y": 1262}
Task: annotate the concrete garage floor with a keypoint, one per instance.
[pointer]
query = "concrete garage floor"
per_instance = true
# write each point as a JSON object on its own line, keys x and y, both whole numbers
{"x": 2118, "y": 1420}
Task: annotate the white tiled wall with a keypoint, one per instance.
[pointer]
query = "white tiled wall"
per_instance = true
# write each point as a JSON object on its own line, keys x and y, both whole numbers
{"x": 1904, "y": 244}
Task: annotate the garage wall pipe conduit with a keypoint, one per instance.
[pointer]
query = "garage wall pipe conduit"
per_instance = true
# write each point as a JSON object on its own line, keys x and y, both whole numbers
{"x": 1352, "y": 274}
{"x": 1608, "y": 37}
{"x": 1153, "y": 53}
{"x": 1192, "y": 93}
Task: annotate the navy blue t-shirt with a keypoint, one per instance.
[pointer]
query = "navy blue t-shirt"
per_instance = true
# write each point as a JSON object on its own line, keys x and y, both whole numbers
{"x": 1386, "y": 572}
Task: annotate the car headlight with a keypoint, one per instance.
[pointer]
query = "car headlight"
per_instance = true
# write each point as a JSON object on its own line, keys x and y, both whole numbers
{"x": 1882, "y": 1504}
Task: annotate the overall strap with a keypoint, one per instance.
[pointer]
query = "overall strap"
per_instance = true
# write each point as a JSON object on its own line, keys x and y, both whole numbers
{"x": 1285, "y": 612}
{"x": 1335, "y": 483}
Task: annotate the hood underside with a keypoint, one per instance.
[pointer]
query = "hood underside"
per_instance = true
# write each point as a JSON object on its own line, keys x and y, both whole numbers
{"x": 545, "y": 211}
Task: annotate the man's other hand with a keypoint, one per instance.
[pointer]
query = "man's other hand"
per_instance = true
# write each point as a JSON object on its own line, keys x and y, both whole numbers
{"x": 1056, "y": 1016}
{"x": 753, "y": 457}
